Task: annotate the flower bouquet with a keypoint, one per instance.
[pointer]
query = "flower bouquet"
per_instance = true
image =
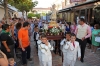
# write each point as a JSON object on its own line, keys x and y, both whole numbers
{"x": 54, "y": 31}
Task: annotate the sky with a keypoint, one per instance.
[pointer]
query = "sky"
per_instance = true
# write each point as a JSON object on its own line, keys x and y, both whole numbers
{"x": 44, "y": 3}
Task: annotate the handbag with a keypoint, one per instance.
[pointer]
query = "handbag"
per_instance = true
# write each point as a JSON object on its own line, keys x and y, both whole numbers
{"x": 97, "y": 38}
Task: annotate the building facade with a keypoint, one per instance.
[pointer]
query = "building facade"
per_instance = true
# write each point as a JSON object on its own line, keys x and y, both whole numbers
{"x": 41, "y": 10}
{"x": 74, "y": 9}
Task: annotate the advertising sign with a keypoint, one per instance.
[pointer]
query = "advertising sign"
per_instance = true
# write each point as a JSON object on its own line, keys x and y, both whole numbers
{"x": 71, "y": 1}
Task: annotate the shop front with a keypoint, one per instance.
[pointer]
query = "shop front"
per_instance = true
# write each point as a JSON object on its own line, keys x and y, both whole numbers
{"x": 84, "y": 10}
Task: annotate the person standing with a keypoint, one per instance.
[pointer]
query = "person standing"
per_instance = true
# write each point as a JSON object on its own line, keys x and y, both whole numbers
{"x": 89, "y": 40}
{"x": 73, "y": 27}
{"x": 95, "y": 33}
{"x": 83, "y": 31}
{"x": 40, "y": 25}
{"x": 7, "y": 42}
{"x": 67, "y": 27}
{"x": 36, "y": 36}
{"x": 24, "y": 42}
{"x": 17, "y": 28}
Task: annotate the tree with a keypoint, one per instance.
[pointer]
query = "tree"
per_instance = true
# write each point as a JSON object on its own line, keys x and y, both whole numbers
{"x": 24, "y": 6}
{"x": 38, "y": 15}
{"x": 97, "y": 12}
{"x": 30, "y": 15}
{"x": 43, "y": 14}
{"x": 5, "y": 3}
{"x": 21, "y": 5}
{"x": 30, "y": 5}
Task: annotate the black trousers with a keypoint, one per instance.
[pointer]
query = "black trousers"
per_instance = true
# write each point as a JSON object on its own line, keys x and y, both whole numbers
{"x": 57, "y": 47}
{"x": 82, "y": 46}
{"x": 8, "y": 54}
{"x": 26, "y": 54}
{"x": 36, "y": 44}
{"x": 16, "y": 44}
{"x": 89, "y": 41}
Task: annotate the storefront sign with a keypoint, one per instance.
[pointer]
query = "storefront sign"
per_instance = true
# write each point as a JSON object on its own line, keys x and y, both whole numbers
{"x": 71, "y": 1}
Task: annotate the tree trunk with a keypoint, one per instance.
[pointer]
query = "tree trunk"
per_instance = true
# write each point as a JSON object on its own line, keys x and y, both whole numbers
{"x": 26, "y": 14}
{"x": 23, "y": 14}
{"x": 6, "y": 11}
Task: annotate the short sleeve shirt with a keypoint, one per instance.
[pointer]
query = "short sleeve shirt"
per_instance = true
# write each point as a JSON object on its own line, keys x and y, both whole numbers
{"x": 6, "y": 37}
{"x": 23, "y": 35}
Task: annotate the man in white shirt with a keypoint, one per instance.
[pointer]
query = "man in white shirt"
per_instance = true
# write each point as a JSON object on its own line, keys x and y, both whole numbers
{"x": 83, "y": 31}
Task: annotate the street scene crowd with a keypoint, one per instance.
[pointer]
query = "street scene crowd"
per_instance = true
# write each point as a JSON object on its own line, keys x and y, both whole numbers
{"x": 15, "y": 38}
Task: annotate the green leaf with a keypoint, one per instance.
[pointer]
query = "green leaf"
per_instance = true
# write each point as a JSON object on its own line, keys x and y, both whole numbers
{"x": 23, "y": 5}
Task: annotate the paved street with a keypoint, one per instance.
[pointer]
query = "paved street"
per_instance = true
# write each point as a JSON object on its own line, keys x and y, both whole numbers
{"x": 90, "y": 58}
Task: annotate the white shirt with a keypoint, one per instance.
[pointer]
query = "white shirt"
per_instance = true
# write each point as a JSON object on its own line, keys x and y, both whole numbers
{"x": 45, "y": 51}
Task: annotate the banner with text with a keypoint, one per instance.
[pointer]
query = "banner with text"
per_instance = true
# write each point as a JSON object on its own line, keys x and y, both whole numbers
{"x": 71, "y": 1}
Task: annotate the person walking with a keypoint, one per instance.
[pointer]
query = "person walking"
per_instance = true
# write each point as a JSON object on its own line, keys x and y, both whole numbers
{"x": 72, "y": 51}
{"x": 46, "y": 56}
{"x": 63, "y": 43}
{"x": 24, "y": 42}
{"x": 83, "y": 31}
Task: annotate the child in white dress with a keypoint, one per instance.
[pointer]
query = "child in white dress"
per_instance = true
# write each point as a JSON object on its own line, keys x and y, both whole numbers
{"x": 72, "y": 48}
{"x": 63, "y": 43}
{"x": 39, "y": 50}
{"x": 45, "y": 47}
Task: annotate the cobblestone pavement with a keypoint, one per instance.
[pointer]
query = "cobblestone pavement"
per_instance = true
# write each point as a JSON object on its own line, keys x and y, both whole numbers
{"x": 89, "y": 60}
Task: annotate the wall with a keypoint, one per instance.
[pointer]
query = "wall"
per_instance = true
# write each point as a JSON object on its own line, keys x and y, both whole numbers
{"x": 11, "y": 11}
{"x": 1, "y": 13}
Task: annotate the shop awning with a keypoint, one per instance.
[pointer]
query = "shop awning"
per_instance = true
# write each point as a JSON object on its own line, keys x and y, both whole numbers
{"x": 70, "y": 8}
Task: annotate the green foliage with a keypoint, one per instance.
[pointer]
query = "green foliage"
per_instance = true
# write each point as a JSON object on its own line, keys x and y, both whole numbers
{"x": 38, "y": 15}
{"x": 30, "y": 15}
{"x": 97, "y": 9}
{"x": 23, "y": 5}
{"x": 15, "y": 1}
{"x": 43, "y": 14}
{"x": 97, "y": 12}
